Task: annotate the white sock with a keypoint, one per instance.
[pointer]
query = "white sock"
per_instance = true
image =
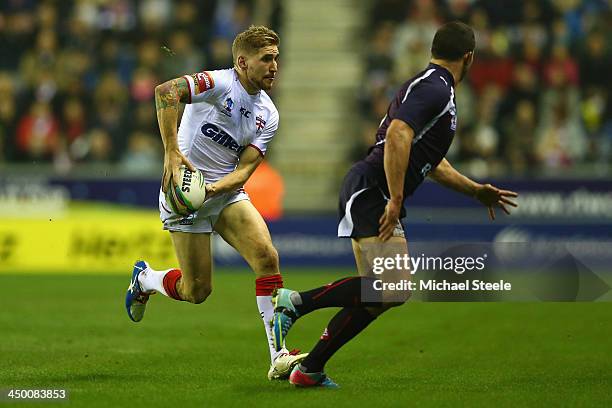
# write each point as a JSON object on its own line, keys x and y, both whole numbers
{"x": 266, "y": 310}
{"x": 151, "y": 279}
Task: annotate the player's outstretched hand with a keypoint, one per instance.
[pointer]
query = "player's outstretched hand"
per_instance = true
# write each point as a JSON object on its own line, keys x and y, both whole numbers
{"x": 173, "y": 160}
{"x": 491, "y": 196}
{"x": 389, "y": 220}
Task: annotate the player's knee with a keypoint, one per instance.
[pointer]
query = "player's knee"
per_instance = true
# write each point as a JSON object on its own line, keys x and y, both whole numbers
{"x": 395, "y": 301}
{"x": 400, "y": 298}
{"x": 266, "y": 258}
{"x": 198, "y": 294}
{"x": 393, "y": 304}
{"x": 395, "y": 298}
{"x": 201, "y": 295}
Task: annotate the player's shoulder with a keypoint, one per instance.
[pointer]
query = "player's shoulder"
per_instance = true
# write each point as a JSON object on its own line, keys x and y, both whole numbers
{"x": 435, "y": 79}
{"x": 215, "y": 81}
{"x": 268, "y": 105}
{"x": 224, "y": 78}
{"x": 433, "y": 84}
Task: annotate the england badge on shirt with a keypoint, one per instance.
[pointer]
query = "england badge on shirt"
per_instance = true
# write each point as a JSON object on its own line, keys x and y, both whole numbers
{"x": 260, "y": 123}
{"x": 227, "y": 107}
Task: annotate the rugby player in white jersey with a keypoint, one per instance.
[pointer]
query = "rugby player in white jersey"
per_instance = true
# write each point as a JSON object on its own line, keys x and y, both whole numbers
{"x": 226, "y": 127}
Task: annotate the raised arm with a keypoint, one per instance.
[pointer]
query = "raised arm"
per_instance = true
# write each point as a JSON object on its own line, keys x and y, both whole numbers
{"x": 397, "y": 153}
{"x": 167, "y": 98}
{"x": 488, "y": 195}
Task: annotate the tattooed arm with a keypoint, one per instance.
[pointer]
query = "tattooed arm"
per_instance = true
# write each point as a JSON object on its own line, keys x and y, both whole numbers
{"x": 167, "y": 98}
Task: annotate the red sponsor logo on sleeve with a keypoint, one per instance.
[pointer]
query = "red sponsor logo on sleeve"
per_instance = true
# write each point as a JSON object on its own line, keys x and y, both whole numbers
{"x": 203, "y": 82}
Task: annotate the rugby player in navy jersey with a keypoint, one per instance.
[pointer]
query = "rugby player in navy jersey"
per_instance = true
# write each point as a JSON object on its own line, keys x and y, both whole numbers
{"x": 411, "y": 142}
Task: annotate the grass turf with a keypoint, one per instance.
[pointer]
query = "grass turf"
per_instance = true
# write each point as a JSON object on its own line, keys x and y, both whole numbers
{"x": 71, "y": 331}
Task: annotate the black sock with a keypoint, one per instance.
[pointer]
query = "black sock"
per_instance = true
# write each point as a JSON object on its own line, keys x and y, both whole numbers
{"x": 346, "y": 292}
{"x": 345, "y": 325}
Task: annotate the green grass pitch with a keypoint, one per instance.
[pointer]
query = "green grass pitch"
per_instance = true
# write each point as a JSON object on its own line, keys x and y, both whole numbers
{"x": 72, "y": 332}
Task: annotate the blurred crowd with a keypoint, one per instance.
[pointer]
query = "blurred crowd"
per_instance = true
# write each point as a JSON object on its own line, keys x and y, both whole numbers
{"x": 538, "y": 99}
{"x": 77, "y": 77}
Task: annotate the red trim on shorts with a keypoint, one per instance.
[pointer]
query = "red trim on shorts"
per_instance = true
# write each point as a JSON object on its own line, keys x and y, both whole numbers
{"x": 266, "y": 285}
{"x": 188, "y": 86}
{"x": 258, "y": 149}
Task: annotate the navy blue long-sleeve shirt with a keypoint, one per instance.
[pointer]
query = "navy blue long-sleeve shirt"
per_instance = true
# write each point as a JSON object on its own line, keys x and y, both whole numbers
{"x": 426, "y": 103}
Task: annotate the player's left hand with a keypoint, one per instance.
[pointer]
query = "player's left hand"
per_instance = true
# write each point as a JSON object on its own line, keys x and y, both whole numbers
{"x": 491, "y": 196}
{"x": 211, "y": 190}
{"x": 389, "y": 220}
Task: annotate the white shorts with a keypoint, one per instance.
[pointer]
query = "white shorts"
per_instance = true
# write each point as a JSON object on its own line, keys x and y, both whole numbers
{"x": 202, "y": 221}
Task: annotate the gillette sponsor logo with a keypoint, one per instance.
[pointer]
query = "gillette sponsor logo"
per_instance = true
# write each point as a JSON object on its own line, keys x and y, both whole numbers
{"x": 221, "y": 137}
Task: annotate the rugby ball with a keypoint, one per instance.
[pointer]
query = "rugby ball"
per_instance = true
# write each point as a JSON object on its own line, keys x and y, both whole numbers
{"x": 189, "y": 195}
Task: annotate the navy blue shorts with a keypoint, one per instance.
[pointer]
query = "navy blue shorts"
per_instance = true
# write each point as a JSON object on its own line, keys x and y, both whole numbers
{"x": 362, "y": 203}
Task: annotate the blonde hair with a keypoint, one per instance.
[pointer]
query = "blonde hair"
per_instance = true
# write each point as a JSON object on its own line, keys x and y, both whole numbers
{"x": 253, "y": 39}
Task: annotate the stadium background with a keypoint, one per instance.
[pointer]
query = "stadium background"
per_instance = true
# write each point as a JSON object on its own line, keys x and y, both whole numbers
{"x": 81, "y": 158}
